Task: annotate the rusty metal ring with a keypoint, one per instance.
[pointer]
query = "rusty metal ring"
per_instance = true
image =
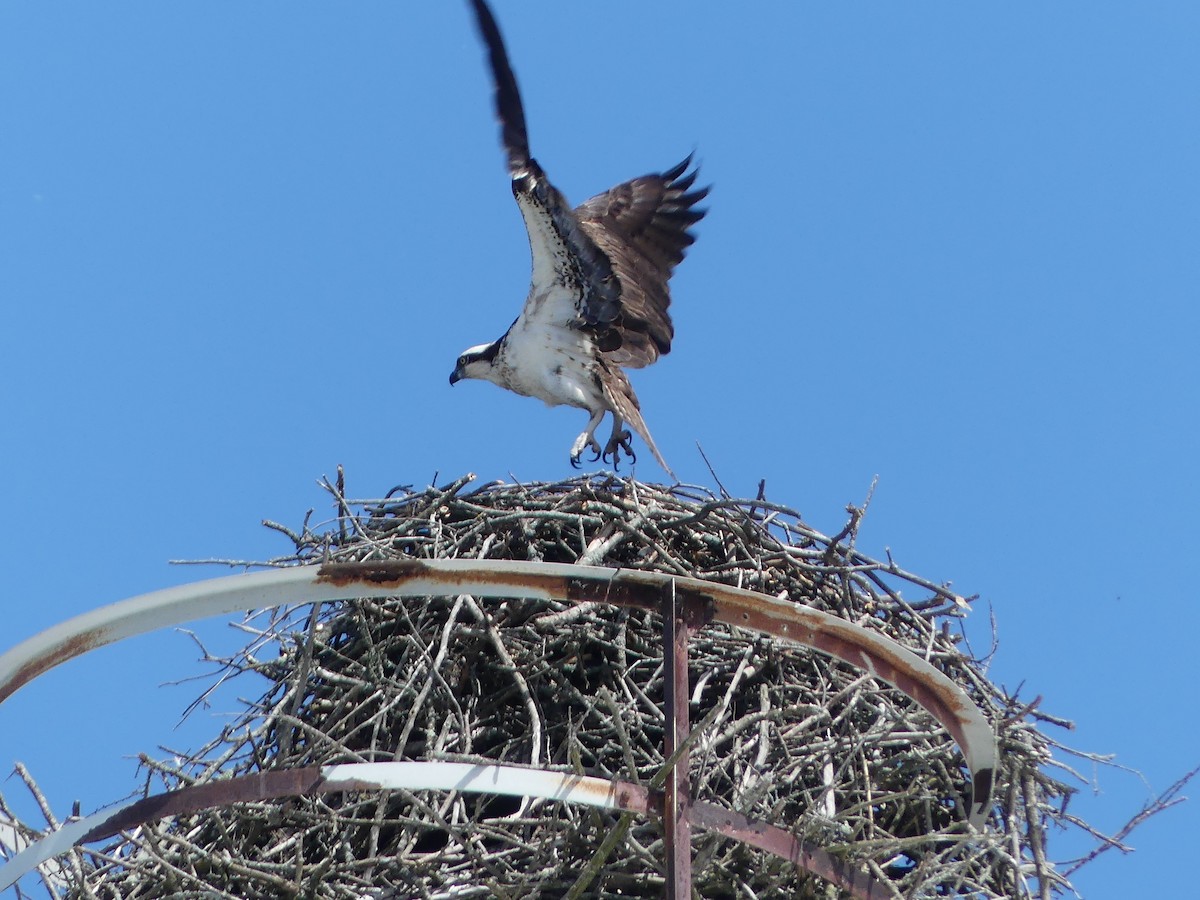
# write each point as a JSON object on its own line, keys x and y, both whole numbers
{"x": 698, "y": 602}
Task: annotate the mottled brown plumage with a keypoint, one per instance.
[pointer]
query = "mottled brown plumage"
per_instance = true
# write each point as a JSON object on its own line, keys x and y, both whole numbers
{"x": 642, "y": 227}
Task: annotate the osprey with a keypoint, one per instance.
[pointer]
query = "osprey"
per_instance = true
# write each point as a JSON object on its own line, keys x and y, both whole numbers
{"x": 598, "y": 296}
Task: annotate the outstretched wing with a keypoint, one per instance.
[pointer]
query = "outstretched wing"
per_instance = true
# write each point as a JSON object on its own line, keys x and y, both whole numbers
{"x": 573, "y": 281}
{"x": 643, "y": 227}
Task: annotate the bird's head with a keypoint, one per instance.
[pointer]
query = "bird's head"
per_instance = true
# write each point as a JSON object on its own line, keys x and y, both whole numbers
{"x": 476, "y": 362}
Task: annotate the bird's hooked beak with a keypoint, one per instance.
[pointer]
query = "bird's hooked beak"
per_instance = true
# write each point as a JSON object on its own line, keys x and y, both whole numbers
{"x": 474, "y": 361}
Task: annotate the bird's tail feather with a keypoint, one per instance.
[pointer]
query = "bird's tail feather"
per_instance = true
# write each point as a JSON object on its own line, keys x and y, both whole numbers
{"x": 639, "y": 425}
{"x": 624, "y": 403}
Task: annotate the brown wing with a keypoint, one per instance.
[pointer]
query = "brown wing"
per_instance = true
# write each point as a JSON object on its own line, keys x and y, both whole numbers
{"x": 643, "y": 227}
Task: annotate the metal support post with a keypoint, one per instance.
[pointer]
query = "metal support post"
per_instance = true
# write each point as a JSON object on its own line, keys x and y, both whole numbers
{"x": 677, "y": 826}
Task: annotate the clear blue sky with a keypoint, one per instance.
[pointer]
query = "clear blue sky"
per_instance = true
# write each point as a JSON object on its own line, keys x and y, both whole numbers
{"x": 954, "y": 246}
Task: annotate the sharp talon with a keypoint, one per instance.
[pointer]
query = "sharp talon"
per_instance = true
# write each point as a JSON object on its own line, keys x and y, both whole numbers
{"x": 574, "y": 462}
{"x": 617, "y": 443}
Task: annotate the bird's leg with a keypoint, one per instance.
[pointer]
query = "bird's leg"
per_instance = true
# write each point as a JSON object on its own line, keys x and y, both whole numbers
{"x": 618, "y": 441}
{"x": 587, "y": 438}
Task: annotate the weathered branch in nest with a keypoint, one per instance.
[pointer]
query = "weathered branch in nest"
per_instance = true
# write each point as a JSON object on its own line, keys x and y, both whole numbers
{"x": 1168, "y": 798}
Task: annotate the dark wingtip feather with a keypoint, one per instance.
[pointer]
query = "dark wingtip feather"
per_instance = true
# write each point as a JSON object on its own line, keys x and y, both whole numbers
{"x": 509, "y": 109}
{"x": 674, "y": 172}
{"x": 679, "y": 182}
{"x": 682, "y": 184}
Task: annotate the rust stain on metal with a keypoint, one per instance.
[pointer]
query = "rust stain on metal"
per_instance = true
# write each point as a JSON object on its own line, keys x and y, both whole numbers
{"x": 616, "y": 794}
{"x": 383, "y": 572}
{"x": 802, "y": 854}
{"x": 635, "y": 798}
{"x": 699, "y": 609}
{"x": 393, "y": 573}
{"x": 641, "y": 590}
{"x": 242, "y": 789}
{"x": 582, "y": 786}
{"x": 890, "y": 664}
{"x": 677, "y": 830}
{"x": 616, "y": 591}
{"x": 76, "y": 646}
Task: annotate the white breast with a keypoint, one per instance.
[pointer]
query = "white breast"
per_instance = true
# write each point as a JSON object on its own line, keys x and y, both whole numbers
{"x": 553, "y": 364}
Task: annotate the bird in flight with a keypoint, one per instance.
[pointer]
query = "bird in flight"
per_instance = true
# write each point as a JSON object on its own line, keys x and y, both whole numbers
{"x": 598, "y": 296}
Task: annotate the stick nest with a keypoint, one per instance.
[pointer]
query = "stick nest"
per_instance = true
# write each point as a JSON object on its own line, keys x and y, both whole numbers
{"x": 793, "y": 738}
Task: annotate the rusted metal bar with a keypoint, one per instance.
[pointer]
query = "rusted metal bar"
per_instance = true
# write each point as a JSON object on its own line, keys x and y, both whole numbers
{"x": 513, "y": 781}
{"x": 854, "y": 880}
{"x": 677, "y": 827}
{"x": 702, "y": 601}
{"x": 466, "y": 777}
